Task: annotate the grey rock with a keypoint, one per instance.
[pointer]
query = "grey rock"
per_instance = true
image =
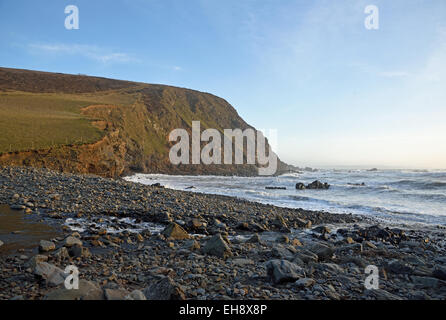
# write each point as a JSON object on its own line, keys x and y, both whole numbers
{"x": 427, "y": 282}
{"x": 50, "y": 273}
{"x": 399, "y": 267}
{"x": 164, "y": 289}
{"x": 87, "y": 291}
{"x": 46, "y": 246}
{"x": 281, "y": 271}
{"x": 72, "y": 241}
{"x": 305, "y": 282}
{"x": 115, "y": 294}
{"x": 135, "y": 295}
{"x": 323, "y": 251}
{"x": 217, "y": 246}
{"x": 380, "y": 294}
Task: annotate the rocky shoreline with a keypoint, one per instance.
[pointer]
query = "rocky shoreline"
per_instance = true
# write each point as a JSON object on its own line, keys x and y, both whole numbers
{"x": 132, "y": 241}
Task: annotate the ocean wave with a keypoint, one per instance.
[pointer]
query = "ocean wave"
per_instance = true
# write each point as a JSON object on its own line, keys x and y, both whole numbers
{"x": 426, "y": 185}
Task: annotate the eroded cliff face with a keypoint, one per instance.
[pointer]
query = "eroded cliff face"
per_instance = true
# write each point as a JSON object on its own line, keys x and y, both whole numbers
{"x": 135, "y": 136}
{"x": 104, "y": 158}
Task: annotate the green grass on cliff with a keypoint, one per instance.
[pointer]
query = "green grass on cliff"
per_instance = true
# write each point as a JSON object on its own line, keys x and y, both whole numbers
{"x": 33, "y": 121}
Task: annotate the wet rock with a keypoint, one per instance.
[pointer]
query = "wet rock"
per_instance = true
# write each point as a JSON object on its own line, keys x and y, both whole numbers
{"x": 175, "y": 231}
{"x": 280, "y": 271}
{"x": 318, "y": 185}
{"x": 217, "y": 246}
{"x": 300, "y": 186}
{"x": 164, "y": 289}
{"x": 46, "y": 246}
{"x": 87, "y": 291}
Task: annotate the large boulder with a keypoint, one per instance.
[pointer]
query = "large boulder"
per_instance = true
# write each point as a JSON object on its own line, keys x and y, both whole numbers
{"x": 50, "y": 273}
{"x": 175, "y": 231}
{"x": 164, "y": 289}
{"x": 280, "y": 271}
{"x": 87, "y": 291}
{"x": 217, "y": 246}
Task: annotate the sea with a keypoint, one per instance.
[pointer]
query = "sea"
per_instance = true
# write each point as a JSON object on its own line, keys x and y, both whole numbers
{"x": 397, "y": 196}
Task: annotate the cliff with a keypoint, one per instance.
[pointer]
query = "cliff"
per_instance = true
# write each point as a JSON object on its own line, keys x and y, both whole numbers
{"x": 82, "y": 124}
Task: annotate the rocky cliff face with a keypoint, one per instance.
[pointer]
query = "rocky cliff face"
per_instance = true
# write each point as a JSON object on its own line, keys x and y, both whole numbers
{"x": 135, "y": 134}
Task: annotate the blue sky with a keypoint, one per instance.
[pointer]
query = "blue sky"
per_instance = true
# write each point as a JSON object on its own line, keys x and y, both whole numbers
{"x": 337, "y": 93}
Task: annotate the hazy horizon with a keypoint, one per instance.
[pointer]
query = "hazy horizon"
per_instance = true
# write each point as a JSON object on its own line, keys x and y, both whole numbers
{"x": 338, "y": 94}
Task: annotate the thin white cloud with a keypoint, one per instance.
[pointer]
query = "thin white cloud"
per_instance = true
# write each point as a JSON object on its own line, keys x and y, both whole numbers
{"x": 91, "y": 52}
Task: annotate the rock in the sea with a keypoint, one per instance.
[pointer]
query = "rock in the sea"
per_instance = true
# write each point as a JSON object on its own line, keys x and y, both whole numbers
{"x": 175, "y": 231}
{"x": 217, "y": 246}
{"x": 72, "y": 241}
{"x": 300, "y": 186}
{"x": 46, "y": 246}
{"x": 318, "y": 185}
{"x": 281, "y": 271}
{"x": 164, "y": 289}
{"x": 87, "y": 291}
{"x": 50, "y": 273}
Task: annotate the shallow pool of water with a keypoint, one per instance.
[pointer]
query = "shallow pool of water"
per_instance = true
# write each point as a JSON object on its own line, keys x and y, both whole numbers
{"x": 21, "y": 231}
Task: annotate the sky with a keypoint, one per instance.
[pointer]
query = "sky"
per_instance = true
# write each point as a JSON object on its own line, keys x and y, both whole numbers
{"x": 338, "y": 94}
